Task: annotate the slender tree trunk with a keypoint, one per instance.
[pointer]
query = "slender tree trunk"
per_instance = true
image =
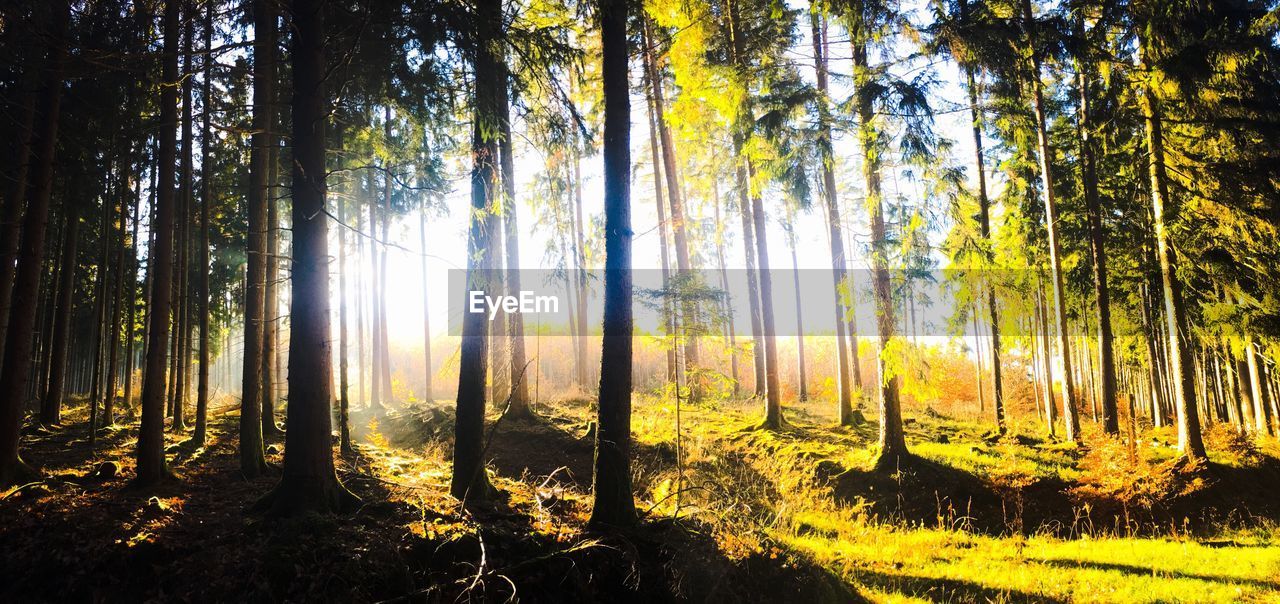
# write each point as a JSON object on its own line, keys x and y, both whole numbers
{"x": 1070, "y": 414}
{"x": 206, "y": 199}
{"x": 271, "y": 296}
{"x": 892, "y": 439}
{"x": 1097, "y": 248}
{"x": 427, "y": 371}
{"x": 726, "y": 303}
{"x": 151, "y": 460}
{"x": 613, "y": 504}
{"x": 1190, "y": 443}
{"x": 984, "y": 231}
{"x": 753, "y": 283}
{"x": 580, "y": 252}
{"x": 308, "y": 482}
{"x": 842, "y": 286}
{"x": 1046, "y": 358}
{"x": 511, "y": 226}
{"x": 344, "y": 401}
{"x": 182, "y": 333}
{"x": 375, "y": 317}
{"x": 800, "y": 368}
{"x": 252, "y": 456}
{"x": 16, "y": 367}
{"x": 51, "y": 407}
{"x": 683, "y": 264}
{"x": 470, "y": 483}
{"x": 673, "y": 372}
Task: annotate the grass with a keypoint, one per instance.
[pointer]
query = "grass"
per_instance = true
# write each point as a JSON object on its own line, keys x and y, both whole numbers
{"x": 732, "y": 513}
{"x": 1076, "y": 554}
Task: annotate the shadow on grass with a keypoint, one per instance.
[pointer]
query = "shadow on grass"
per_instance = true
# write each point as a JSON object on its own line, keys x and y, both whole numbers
{"x": 1139, "y": 571}
{"x": 946, "y": 590}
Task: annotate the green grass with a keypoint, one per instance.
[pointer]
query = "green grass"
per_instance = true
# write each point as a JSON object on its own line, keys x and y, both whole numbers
{"x": 778, "y": 502}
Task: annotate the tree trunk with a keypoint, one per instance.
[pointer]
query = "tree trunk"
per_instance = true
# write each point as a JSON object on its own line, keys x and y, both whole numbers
{"x": 30, "y": 259}
{"x": 519, "y": 389}
{"x": 892, "y": 440}
{"x": 726, "y": 303}
{"x": 252, "y": 457}
{"x": 800, "y": 368}
{"x": 51, "y": 405}
{"x": 427, "y": 371}
{"x": 271, "y": 295}
{"x": 613, "y": 504}
{"x": 1102, "y": 293}
{"x": 151, "y": 460}
{"x": 673, "y": 372}
{"x": 1190, "y": 443}
{"x": 984, "y": 231}
{"x": 683, "y": 264}
{"x": 1070, "y": 414}
{"x": 344, "y": 399}
{"x": 308, "y": 482}
{"x": 470, "y": 483}
{"x": 842, "y": 286}
{"x": 206, "y": 199}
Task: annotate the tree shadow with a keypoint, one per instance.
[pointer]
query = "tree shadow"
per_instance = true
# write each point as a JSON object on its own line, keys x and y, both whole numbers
{"x": 946, "y": 590}
{"x": 1140, "y": 571}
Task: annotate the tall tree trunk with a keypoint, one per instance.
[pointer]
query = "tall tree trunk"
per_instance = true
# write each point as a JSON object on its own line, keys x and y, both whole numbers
{"x": 206, "y": 199}
{"x": 375, "y": 317}
{"x": 842, "y": 286}
{"x": 428, "y": 387}
{"x": 151, "y": 460}
{"x": 519, "y": 384}
{"x": 753, "y": 282}
{"x": 470, "y": 483}
{"x": 673, "y": 372}
{"x": 1261, "y": 419}
{"x": 984, "y": 231}
{"x": 252, "y": 456}
{"x": 726, "y": 303}
{"x": 1190, "y": 443}
{"x": 271, "y": 296}
{"x": 344, "y": 399}
{"x": 51, "y": 405}
{"x": 30, "y": 259}
{"x": 580, "y": 253}
{"x": 1070, "y": 414}
{"x": 182, "y": 333}
{"x": 308, "y": 482}
{"x": 688, "y": 310}
{"x": 800, "y": 368}
{"x": 892, "y": 439}
{"x": 613, "y": 504}
{"x": 1097, "y": 247}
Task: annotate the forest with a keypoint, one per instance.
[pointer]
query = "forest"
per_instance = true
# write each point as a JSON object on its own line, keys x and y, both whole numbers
{"x": 640, "y": 300}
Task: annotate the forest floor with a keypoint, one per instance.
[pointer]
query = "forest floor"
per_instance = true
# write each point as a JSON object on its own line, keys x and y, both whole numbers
{"x": 731, "y": 514}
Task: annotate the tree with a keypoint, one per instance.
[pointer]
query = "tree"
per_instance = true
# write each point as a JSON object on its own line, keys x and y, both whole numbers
{"x": 470, "y": 483}
{"x": 152, "y": 466}
{"x": 308, "y": 482}
{"x": 1181, "y": 379}
{"x": 252, "y": 457}
{"x": 1049, "y": 195}
{"x": 613, "y": 504}
{"x": 51, "y": 404}
{"x": 842, "y": 286}
{"x": 206, "y": 199}
{"x": 519, "y": 394}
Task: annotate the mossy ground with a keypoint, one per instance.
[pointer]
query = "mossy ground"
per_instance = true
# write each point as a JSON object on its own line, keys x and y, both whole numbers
{"x": 731, "y": 514}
